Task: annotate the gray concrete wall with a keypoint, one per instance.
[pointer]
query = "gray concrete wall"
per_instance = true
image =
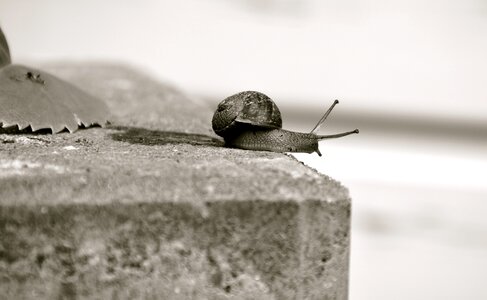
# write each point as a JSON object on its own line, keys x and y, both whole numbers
{"x": 154, "y": 207}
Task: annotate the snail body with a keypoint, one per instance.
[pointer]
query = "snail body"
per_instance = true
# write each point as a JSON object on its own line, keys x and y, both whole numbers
{"x": 275, "y": 140}
{"x": 251, "y": 120}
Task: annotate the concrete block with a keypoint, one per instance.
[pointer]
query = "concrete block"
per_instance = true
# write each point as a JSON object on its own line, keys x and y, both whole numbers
{"x": 154, "y": 207}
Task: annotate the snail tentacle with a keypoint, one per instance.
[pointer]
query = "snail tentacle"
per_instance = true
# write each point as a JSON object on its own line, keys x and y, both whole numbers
{"x": 322, "y": 120}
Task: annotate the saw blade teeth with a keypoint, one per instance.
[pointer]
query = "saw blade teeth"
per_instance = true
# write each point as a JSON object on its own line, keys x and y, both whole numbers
{"x": 57, "y": 128}
{"x": 71, "y": 129}
{"x": 34, "y": 128}
{"x": 22, "y": 126}
{"x": 7, "y": 124}
{"x": 46, "y": 102}
{"x": 38, "y": 126}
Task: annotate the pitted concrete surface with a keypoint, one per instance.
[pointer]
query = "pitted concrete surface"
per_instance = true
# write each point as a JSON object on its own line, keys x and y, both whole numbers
{"x": 153, "y": 206}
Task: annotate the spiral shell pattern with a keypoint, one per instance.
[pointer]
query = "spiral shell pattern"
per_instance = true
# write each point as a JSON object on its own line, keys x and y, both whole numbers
{"x": 249, "y": 107}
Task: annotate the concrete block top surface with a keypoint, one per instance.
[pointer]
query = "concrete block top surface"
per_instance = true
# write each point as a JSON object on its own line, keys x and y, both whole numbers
{"x": 159, "y": 147}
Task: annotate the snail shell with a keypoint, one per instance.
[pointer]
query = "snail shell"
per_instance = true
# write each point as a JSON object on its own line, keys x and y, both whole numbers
{"x": 252, "y": 108}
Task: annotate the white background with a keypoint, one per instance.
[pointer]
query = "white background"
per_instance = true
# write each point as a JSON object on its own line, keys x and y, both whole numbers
{"x": 412, "y": 75}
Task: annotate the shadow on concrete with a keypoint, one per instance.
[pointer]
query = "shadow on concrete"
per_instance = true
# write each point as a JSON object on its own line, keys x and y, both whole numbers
{"x": 136, "y": 135}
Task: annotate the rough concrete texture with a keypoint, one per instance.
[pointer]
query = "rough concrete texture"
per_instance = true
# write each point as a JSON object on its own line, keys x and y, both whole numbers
{"x": 154, "y": 207}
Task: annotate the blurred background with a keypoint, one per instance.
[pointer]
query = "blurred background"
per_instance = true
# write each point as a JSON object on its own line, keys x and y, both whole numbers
{"x": 411, "y": 74}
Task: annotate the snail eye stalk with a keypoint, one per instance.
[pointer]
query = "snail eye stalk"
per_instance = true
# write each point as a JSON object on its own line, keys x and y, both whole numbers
{"x": 332, "y": 136}
{"x": 322, "y": 120}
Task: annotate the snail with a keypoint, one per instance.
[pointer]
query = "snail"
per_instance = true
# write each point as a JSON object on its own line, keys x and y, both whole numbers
{"x": 251, "y": 120}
